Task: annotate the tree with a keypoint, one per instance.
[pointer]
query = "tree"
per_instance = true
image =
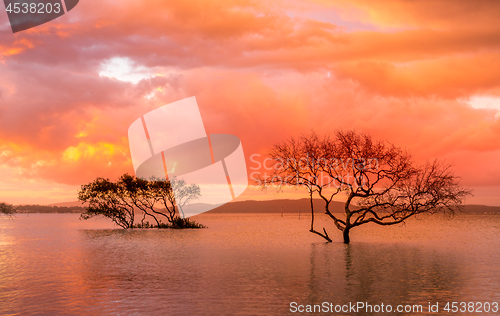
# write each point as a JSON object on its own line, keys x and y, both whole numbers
{"x": 184, "y": 194}
{"x": 140, "y": 194}
{"x": 382, "y": 183}
{"x": 155, "y": 198}
{"x": 107, "y": 199}
{"x": 7, "y": 209}
{"x": 159, "y": 197}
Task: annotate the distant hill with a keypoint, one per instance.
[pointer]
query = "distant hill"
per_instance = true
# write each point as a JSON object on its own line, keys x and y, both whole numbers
{"x": 48, "y": 209}
{"x": 67, "y": 204}
{"x": 270, "y": 206}
{"x": 275, "y": 206}
{"x": 481, "y": 209}
{"x": 303, "y": 205}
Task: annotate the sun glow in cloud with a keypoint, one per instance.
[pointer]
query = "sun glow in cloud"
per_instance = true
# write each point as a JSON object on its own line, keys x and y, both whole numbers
{"x": 485, "y": 102}
{"x": 124, "y": 69}
{"x": 84, "y": 150}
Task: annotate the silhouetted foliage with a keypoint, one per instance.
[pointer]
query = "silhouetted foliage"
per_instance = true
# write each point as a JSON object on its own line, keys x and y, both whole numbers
{"x": 35, "y": 208}
{"x": 180, "y": 222}
{"x": 382, "y": 183}
{"x": 177, "y": 223}
{"x": 156, "y": 199}
{"x": 108, "y": 199}
{"x": 7, "y": 209}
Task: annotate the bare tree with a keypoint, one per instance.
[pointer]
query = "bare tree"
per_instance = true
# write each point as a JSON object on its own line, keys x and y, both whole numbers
{"x": 296, "y": 165}
{"x": 173, "y": 195}
{"x": 382, "y": 183}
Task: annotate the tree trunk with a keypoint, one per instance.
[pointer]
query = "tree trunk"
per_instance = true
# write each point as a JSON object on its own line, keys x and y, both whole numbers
{"x": 348, "y": 215}
{"x": 346, "y": 235}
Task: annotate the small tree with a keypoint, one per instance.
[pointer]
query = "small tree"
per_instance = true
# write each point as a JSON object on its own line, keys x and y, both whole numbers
{"x": 183, "y": 193}
{"x": 107, "y": 199}
{"x": 7, "y": 209}
{"x": 140, "y": 194}
{"x": 382, "y": 183}
{"x": 155, "y": 198}
{"x": 160, "y": 197}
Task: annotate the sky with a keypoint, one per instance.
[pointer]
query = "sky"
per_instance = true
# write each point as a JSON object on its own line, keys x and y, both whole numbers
{"x": 423, "y": 75}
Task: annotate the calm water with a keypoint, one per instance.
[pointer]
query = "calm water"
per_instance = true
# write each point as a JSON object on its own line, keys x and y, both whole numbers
{"x": 249, "y": 264}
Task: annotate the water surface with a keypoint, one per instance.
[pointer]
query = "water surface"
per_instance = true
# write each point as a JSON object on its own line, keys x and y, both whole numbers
{"x": 244, "y": 264}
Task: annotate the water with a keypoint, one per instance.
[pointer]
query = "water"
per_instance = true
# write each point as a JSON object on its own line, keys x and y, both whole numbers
{"x": 245, "y": 264}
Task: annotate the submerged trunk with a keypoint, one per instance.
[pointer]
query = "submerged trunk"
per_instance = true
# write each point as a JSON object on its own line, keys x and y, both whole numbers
{"x": 346, "y": 235}
{"x": 348, "y": 215}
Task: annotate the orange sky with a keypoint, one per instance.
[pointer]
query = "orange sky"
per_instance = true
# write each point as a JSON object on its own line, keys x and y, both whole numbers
{"x": 424, "y": 75}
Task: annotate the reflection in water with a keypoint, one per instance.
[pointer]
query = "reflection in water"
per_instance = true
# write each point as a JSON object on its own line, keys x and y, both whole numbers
{"x": 400, "y": 274}
{"x": 241, "y": 265}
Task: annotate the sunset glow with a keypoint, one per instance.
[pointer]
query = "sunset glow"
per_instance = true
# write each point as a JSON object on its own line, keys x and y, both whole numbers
{"x": 413, "y": 73}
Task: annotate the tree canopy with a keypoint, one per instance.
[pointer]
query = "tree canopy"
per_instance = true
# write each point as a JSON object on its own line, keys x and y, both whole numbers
{"x": 7, "y": 209}
{"x": 156, "y": 199}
